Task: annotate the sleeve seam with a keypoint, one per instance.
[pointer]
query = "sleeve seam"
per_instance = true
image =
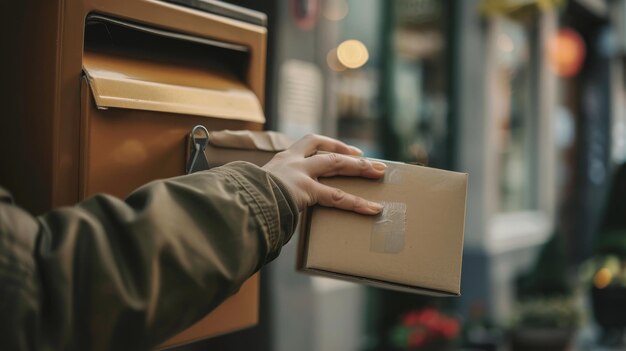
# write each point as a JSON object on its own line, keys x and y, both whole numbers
{"x": 263, "y": 210}
{"x": 286, "y": 194}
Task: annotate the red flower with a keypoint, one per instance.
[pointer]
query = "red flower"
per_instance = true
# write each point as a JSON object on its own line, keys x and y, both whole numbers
{"x": 423, "y": 327}
{"x": 410, "y": 319}
{"x": 450, "y": 329}
{"x": 428, "y": 316}
{"x": 418, "y": 338}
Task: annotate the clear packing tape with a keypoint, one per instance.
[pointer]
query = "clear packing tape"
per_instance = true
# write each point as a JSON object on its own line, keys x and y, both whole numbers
{"x": 388, "y": 230}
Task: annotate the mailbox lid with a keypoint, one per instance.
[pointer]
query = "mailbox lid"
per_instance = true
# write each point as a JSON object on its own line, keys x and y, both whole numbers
{"x": 124, "y": 81}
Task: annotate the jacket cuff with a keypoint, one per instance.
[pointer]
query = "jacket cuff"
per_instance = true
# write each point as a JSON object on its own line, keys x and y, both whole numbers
{"x": 278, "y": 209}
{"x": 289, "y": 214}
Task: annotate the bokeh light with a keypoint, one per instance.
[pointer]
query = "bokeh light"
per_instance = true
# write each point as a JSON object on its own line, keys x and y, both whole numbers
{"x": 335, "y": 10}
{"x": 566, "y": 52}
{"x": 352, "y": 54}
{"x": 333, "y": 61}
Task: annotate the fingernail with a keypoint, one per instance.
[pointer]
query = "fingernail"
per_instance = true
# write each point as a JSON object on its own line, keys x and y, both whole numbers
{"x": 379, "y": 166}
{"x": 375, "y": 206}
{"x": 357, "y": 150}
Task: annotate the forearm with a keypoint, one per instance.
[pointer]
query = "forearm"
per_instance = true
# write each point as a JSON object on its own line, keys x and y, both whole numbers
{"x": 129, "y": 274}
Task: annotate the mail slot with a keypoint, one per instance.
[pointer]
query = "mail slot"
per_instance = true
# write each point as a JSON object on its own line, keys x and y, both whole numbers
{"x": 121, "y": 84}
{"x": 142, "y": 92}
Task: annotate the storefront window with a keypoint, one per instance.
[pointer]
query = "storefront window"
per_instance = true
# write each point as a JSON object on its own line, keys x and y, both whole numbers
{"x": 514, "y": 103}
{"x": 395, "y": 104}
{"x": 354, "y": 62}
{"x": 417, "y": 97}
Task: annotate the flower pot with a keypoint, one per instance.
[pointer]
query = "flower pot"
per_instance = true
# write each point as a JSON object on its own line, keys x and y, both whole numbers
{"x": 609, "y": 306}
{"x": 541, "y": 339}
{"x": 609, "y": 311}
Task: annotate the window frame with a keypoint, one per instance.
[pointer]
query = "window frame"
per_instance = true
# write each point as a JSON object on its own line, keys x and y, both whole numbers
{"x": 520, "y": 229}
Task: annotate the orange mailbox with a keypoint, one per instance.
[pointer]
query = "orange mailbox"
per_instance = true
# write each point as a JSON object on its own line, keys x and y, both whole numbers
{"x": 103, "y": 94}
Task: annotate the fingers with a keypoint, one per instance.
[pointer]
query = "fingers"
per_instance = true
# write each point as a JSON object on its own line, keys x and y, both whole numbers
{"x": 299, "y": 167}
{"x": 313, "y": 143}
{"x": 331, "y": 197}
{"x": 328, "y": 165}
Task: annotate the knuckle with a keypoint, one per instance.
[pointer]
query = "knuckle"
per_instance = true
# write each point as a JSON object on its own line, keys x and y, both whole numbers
{"x": 338, "y": 195}
{"x": 363, "y": 164}
{"x": 281, "y": 155}
{"x": 334, "y": 159}
{"x": 358, "y": 203}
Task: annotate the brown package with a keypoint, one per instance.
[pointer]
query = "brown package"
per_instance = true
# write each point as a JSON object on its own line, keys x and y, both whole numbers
{"x": 414, "y": 245}
{"x": 244, "y": 145}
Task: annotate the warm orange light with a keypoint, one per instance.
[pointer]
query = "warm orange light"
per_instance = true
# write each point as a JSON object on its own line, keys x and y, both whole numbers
{"x": 352, "y": 54}
{"x": 566, "y": 52}
{"x": 603, "y": 278}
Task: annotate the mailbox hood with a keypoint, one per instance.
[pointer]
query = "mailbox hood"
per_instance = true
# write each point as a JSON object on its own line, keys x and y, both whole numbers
{"x": 126, "y": 81}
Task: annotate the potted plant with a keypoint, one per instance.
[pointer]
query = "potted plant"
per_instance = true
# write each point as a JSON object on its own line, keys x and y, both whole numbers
{"x": 547, "y": 315}
{"x": 545, "y": 324}
{"x": 426, "y": 329}
{"x": 605, "y": 272}
{"x": 607, "y": 275}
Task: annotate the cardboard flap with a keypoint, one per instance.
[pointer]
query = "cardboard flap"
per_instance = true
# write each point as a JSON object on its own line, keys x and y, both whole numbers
{"x": 250, "y": 140}
{"x": 124, "y": 81}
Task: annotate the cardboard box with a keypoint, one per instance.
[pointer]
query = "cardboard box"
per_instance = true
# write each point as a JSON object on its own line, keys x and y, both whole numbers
{"x": 244, "y": 145}
{"x": 414, "y": 245}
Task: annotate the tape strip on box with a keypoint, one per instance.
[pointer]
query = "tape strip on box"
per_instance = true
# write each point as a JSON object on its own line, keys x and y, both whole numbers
{"x": 393, "y": 175}
{"x": 389, "y": 229}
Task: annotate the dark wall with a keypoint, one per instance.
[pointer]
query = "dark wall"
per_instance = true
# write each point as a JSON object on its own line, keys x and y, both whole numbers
{"x": 591, "y": 105}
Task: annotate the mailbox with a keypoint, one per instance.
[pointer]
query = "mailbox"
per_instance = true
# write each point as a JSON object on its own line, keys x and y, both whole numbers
{"x": 104, "y": 94}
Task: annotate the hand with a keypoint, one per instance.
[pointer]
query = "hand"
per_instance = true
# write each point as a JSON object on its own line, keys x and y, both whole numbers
{"x": 299, "y": 168}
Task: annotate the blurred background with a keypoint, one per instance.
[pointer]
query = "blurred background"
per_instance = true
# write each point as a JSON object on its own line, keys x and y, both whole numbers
{"x": 529, "y": 98}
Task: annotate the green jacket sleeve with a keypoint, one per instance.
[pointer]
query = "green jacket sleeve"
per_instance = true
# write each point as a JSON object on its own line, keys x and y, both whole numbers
{"x": 109, "y": 274}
